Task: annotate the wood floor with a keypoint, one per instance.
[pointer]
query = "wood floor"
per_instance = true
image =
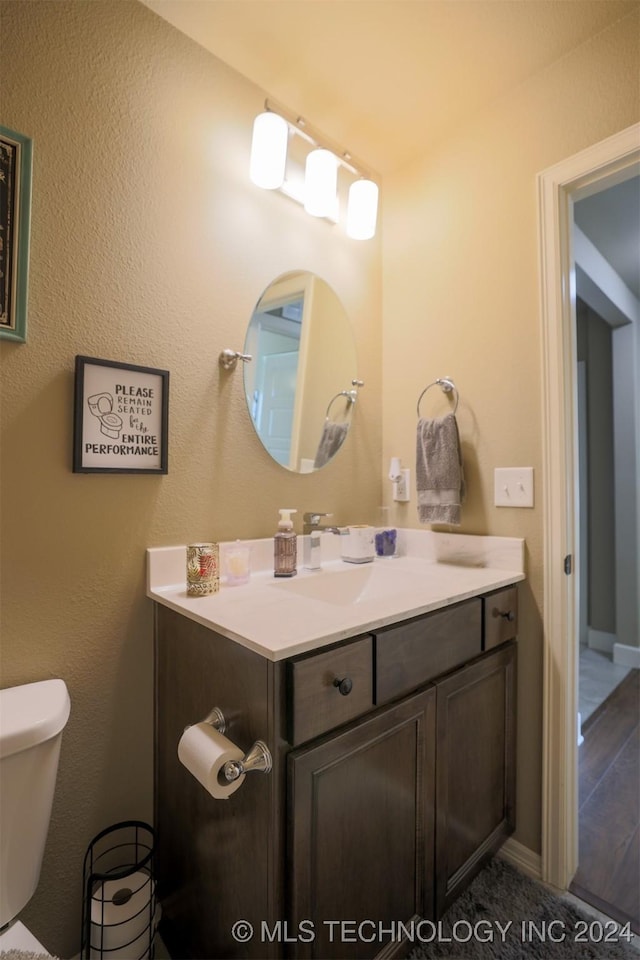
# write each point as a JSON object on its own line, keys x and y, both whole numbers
{"x": 608, "y": 875}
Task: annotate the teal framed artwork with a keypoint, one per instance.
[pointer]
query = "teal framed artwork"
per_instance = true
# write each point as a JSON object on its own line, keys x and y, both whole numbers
{"x": 16, "y": 157}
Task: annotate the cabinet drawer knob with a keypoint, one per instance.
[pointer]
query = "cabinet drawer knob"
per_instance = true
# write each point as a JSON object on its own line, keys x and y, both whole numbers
{"x": 508, "y": 615}
{"x": 345, "y": 686}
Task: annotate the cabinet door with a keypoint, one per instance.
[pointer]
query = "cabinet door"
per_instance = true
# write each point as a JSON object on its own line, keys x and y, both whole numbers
{"x": 475, "y": 776}
{"x": 361, "y": 830}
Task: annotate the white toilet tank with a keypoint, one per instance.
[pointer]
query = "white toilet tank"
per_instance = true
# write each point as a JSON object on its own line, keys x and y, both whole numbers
{"x": 32, "y": 718}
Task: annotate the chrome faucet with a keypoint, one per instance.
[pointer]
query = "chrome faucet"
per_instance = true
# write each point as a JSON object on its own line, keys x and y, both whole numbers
{"x": 311, "y": 523}
{"x": 312, "y": 528}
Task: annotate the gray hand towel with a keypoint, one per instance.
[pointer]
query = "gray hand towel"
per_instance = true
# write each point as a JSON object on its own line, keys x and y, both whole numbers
{"x": 333, "y": 436}
{"x": 439, "y": 476}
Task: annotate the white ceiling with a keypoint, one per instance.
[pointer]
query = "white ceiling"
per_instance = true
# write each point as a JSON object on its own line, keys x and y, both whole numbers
{"x": 385, "y": 79}
{"x": 388, "y": 78}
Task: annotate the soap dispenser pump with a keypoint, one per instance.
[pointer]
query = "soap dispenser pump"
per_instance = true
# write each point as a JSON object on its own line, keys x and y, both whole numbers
{"x": 285, "y": 543}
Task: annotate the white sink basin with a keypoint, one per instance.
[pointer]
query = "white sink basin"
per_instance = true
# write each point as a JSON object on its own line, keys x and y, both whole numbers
{"x": 341, "y": 588}
{"x": 351, "y": 585}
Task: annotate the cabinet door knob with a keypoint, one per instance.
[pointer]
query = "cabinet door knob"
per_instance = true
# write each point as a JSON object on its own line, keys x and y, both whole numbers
{"x": 508, "y": 615}
{"x": 345, "y": 685}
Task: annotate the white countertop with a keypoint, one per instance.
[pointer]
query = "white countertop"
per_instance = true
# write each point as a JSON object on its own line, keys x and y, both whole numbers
{"x": 280, "y": 618}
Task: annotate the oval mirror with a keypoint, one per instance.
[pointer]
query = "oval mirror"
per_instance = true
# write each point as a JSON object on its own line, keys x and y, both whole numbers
{"x": 301, "y": 385}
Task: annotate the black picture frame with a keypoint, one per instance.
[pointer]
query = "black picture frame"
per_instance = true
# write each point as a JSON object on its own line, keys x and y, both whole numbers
{"x": 120, "y": 417}
{"x": 16, "y": 161}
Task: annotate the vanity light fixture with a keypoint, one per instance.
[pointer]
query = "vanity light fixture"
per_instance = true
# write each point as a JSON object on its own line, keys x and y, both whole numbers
{"x": 321, "y": 183}
{"x": 269, "y": 150}
{"x": 272, "y": 131}
{"x": 362, "y": 210}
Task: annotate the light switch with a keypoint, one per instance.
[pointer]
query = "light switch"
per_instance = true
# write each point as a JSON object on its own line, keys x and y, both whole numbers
{"x": 513, "y": 487}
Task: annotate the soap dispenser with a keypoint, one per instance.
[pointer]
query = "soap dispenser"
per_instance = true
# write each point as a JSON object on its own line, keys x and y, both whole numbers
{"x": 285, "y": 543}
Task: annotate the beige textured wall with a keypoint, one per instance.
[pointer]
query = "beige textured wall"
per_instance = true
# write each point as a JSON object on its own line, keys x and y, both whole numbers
{"x": 460, "y": 282}
{"x": 149, "y": 246}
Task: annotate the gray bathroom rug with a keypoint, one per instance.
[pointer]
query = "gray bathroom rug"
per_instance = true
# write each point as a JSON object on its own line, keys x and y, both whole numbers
{"x": 24, "y": 955}
{"x": 504, "y": 915}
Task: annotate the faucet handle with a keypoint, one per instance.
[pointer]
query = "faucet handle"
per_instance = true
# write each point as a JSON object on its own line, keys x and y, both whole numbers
{"x": 314, "y": 518}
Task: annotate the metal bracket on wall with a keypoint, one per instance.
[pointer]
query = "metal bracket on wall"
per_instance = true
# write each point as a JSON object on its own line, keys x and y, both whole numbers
{"x": 228, "y": 359}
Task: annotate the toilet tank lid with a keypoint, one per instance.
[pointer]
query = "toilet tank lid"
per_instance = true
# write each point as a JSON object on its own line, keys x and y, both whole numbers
{"x": 31, "y": 714}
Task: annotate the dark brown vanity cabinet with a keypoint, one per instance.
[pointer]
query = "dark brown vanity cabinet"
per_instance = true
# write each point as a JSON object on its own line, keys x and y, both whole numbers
{"x": 392, "y": 781}
{"x": 361, "y": 829}
{"x": 475, "y": 779}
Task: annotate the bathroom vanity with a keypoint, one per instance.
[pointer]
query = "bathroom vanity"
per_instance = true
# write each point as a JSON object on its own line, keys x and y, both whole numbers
{"x": 393, "y": 758}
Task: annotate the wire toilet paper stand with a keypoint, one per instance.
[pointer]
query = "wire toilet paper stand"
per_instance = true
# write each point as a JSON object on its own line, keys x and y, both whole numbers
{"x": 119, "y": 910}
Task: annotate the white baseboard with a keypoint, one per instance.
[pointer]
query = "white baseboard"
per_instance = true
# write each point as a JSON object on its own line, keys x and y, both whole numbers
{"x": 599, "y": 640}
{"x": 626, "y": 656}
{"x": 522, "y": 858}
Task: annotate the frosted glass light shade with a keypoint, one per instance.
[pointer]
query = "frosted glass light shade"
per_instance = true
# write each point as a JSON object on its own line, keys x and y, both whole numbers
{"x": 362, "y": 210}
{"x": 268, "y": 150}
{"x": 321, "y": 183}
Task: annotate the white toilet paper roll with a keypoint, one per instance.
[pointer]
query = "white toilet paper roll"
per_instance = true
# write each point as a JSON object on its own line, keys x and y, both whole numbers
{"x": 120, "y": 917}
{"x": 204, "y": 752}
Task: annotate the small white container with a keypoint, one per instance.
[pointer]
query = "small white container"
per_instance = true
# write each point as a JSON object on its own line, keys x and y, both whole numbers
{"x": 357, "y": 543}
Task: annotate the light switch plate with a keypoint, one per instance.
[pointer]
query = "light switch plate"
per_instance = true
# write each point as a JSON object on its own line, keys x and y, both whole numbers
{"x": 513, "y": 487}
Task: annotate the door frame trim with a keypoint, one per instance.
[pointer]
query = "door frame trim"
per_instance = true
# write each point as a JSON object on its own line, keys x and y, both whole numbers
{"x": 558, "y": 188}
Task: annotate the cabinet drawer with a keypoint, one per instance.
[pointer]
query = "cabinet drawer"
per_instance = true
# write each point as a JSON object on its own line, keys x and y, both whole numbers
{"x": 500, "y": 617}
{"x": 412, "y": 653}
{"x": 316, "y": 701}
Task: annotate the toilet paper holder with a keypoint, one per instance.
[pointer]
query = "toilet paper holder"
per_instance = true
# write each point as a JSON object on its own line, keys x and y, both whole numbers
{"x": 257, "y": 758}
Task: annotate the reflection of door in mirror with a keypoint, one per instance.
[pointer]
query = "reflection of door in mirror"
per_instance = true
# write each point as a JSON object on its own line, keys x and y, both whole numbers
{"x": 304, "y": 354}
{"x": 275, "y": 339}
{"x": 274, "y": 398}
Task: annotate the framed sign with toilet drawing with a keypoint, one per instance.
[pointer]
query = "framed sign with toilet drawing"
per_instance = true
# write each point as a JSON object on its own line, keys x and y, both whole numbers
{"x": 121, "y": 415}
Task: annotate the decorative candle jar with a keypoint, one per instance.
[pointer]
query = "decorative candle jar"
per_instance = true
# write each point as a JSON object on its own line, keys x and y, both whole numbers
{"x": 237, "y": 563}
{"x": 203, "y": 569}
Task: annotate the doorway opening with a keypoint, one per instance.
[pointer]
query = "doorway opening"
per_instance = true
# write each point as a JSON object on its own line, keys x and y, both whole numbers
{"x": 606, "y": 249}
{"x": 604, "y": 165}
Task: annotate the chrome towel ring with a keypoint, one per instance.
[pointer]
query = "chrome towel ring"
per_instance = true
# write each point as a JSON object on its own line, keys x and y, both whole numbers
{"x": 351, "y": 396}
{"x": 447, "y": 385}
